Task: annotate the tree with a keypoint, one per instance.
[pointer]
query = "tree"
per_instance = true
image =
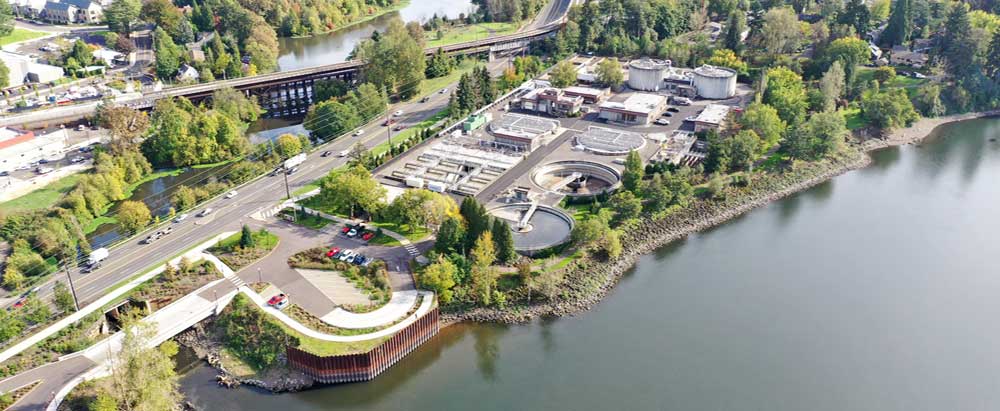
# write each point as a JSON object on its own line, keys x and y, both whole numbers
{"x": 735, "y": 26}
{"x": 330, "y": 88}
{"x": 13, "y": 278}
{"x": 850, "y": 51}
{"x": 484, "y": 276}
{"x": 727, "y": 58}
{"x": 787, "y": 94}
{"x": 781, "y": 31}
{"x": 395, "y": 62}
{"x": 900, "y": 26}
{"x": 450, "y": 236}
{"x": 956, "y": 42}
{"x": 6, "y": 20}
{"x": 246, "y": 238}
{"x": 143, "y": 376}
{"x": 477, "y": 220}
{"x": 992, "y": 58}
{"x": 856, "y": 15}
{"x": 884, "y": 74}
{"x": 832, "y": 86}
{"x": 331, "y": 119}
{"x": 63, "y": 298}
{"x": 765, "y": 122}
{"x": 504, "y": 241}
{"x": 235, "y": 105}
{"x": 125, "y": 124}
{"x": 103, "y": 402}
{"x": 288, "y": 146}
{"x": 121, "y": 15}
{"x": 888, "y": 109}
{"x": 626, "y": 205}
{"x": 35, "y": 311}
{"x": 440, "y": 278}
{"x": 928, "y": 100}
{"x": 563, "y": 75}
{"x": 10, "y": 326}
{"x": 133, "y": 215}
{"x": 742, "y": 149}
{"x": 609, "y": 73}
{"x": 80, "y": 52}
{"x": 4, "y": 76}
{"x": 634, "y": 172}
{"x": 168, "y": 54}
{"x": 353, "y": 189}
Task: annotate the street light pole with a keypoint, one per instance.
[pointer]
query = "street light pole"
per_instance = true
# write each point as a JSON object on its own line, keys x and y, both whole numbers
{"x": 76, "y": 302}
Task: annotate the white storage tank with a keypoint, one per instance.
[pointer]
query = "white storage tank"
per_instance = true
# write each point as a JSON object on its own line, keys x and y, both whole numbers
{"x": 647, "y": 74}
{"x": 715, "y": 82}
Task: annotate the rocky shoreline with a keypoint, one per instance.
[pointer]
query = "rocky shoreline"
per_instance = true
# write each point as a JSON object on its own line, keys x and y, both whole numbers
{"x": 590, "y": 281}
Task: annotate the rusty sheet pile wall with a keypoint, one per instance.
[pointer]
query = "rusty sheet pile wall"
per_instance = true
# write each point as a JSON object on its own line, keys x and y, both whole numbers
{"x": 365, "y": 366}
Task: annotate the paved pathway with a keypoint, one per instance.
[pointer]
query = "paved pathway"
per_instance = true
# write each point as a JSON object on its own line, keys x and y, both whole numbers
{"x": 337, "y": 288}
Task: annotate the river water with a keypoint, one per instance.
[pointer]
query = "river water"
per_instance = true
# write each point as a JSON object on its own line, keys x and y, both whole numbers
{"x": 334, "y": 47}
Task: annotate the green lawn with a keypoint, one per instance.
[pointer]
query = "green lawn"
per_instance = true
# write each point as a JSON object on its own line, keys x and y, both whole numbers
{"x": 412, "y": 233}
{"x": 434, "y": 85}
{"x": 469, "y": 33}
{"x": 44, "y": 197}
{"x": 314, "y": 222}
{"x": 264, "y": 240}
{"x": 306, "y": 188}
{"x": 20, "y": 35}
{"x": 854, "y": 118}
{"x": 385, "y": 240}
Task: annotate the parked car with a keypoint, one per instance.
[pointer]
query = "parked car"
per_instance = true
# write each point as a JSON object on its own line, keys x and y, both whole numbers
{"x": 345, "y": 229}
{"x": 181, "y": 217}
{"x": 351, "y": 258}
{"x": 205, "y": 212}
{"x": 279, "y": 301}
{"x": 345, "y": 255}
{"x": 359, "y": 259}
{"x": 231, "y": 194}
{"x": 367, "y": 236}
{"x": 333, "y": 252}
{"x": 352, "y": 233}
{"x": 673, "y": 109}
{"x": 663, "y": 122}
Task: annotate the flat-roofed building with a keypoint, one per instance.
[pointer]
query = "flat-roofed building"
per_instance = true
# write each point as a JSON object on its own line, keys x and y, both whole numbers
{"x": 551, "y": 101}
{"x": 18, "y": 148}
{"x": 523, "y": 132}
{"x": 637, "y": 109}
{"x": 713, "y": 117}
{"x": 23, "y": 69}
{"x": 590, "y": 95}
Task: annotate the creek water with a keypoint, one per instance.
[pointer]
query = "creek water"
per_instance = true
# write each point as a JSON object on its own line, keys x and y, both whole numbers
{"x": 877, "y": 290}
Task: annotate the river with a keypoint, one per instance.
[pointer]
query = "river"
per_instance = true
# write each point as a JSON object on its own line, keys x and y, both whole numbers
{"x": 874, "y": 291}
{"x": 334, "y": 47}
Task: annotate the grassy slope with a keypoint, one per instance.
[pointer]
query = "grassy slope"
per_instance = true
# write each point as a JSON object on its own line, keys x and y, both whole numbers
{"x": 470, "y": 33}
{"x": 20, "y": 35}
{"x": 42, "y": 198}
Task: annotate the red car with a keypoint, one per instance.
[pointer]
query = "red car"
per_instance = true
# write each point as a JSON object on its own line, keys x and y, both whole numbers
{"x": 388, "y": 122}
{"x": 19, "y": 303}
{"x": 333, "y": 251}
{"x": 345, "y": 229}
{"x": 398, "y": 127}
{"x": 368, "y": 236}
{"x": 279, "y": 301}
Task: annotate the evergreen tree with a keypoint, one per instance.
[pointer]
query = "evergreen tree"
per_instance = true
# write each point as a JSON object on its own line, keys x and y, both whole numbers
{"x": 857, "y": 15}
{"x": 900, "y": 26}
{"x": 634, "y": 172}
{"x": 477, "y": 220}
{"x": 993, "y": 58}
{"x": 735, "y": 26}
{"x": 504, "y": 241}
{"x": 168, "y": 54}
{"x": 246, "y": 238}
{"x": 956, "y": 44}
{"x": 450, "y": 236}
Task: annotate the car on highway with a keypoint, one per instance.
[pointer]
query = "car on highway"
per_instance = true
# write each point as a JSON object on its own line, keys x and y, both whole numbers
{"x": 343, "y": 153}
{"x": 425, "y": 99}
{"x": 359, "y": 132}
{"x": 44, "y": 170}
{"x": 397, "y": 113}
{"x": 292, "y": 170}
{"x": 444, "y": 91}
{"x": 279, "y": 301}
{"x": 333, "y": 252}
{"x": 148, "y": 240}
{"x": 167, "y": 230}
{"x": 231, "y": 194}
{"x": 18, "y": 304}
{"x": 663, "y": 122}
{"x": 399, "y": 127}
{"x": 326, "y": 153}
{"x": 77, "y": 159}
{"x": 205, "y": 212}
{"x": 388, "y": 122}
{"x": 181, "y": 217}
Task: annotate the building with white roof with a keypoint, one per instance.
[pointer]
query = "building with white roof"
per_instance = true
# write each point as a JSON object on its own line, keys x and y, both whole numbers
{"x": 637, "y": 109}
{"x": 23, "y": 69}
{"x": 712, "y": 117}
{"x": 19, "y": 148}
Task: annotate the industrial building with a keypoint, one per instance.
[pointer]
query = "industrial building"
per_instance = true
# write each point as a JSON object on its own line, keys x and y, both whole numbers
{"x": 713, "y": 117}
{"x": 551, "y": 101}
{"x": 609, "y": 142}
{"x": 23, "y": 69}
{"x": 521, "y": 132}
{"x": 647, "y": 74}
{"x": 714, "y": 82}
{"x": 19, "y": 148}
{"x": 637, "y": 109}
{"x": 590, "y": 95}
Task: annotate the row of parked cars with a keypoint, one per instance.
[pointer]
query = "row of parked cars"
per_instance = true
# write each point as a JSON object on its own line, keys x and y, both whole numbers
{"x": 357, "y": 231}
{"x": 349, "y": 256}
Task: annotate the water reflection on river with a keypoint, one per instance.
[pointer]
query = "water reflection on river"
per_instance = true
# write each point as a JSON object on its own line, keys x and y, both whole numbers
{"x": 334, "y": 47}
{"x": 875, "y": 291}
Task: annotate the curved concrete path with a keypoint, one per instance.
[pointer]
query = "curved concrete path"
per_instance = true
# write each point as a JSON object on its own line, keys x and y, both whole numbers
{"x": 396, "y": 308}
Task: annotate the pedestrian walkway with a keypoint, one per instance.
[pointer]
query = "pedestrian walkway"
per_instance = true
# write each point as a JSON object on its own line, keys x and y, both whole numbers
{"x": 397, "y": 307}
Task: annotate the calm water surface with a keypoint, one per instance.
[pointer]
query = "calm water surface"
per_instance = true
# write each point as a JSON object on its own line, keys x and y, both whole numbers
{"x": 879, "y": 290}
{"x": 334, "y": 47}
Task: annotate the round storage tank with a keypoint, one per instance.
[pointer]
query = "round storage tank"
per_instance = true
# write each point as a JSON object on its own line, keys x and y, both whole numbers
{"x": 715, "y": 82}
{"x": 647, "y": 74}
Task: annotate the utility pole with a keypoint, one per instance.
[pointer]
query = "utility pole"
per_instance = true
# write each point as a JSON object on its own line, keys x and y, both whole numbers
{"x": 388, "y": 126}
{"x": 76, "y": 302}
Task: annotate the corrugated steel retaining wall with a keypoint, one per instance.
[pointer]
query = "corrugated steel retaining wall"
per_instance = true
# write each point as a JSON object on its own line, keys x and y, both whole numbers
{"x": 365, "y": 366}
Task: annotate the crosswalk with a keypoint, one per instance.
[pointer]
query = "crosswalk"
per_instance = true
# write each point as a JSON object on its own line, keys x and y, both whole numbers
{"x": 412, "y": 249}
{"x": 237, "y": 281}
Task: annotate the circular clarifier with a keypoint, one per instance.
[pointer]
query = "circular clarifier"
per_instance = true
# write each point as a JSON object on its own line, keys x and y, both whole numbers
{"x": 576, "y": 178}
{"x": 546, "y": 227}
